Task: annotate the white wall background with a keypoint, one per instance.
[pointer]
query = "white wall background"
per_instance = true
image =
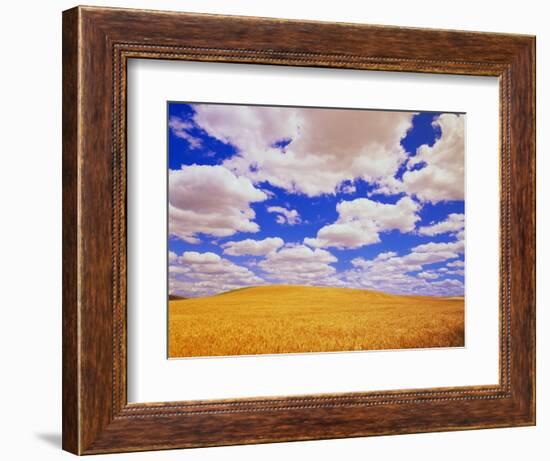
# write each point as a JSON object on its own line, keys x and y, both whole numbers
{"x": 30, "y": 243}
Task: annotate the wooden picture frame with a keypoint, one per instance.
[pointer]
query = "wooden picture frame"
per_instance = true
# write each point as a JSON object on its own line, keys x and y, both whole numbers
{"x": 97, "y": 43}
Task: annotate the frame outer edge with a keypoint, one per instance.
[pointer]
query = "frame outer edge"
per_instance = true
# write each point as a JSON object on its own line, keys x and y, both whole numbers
{"x": 90, "y": 420}
{"x": 530, "y": 241}
{"x": 533, "y": 55}
{"x": 523, "y": 234}
{"x": 70, "y": 196}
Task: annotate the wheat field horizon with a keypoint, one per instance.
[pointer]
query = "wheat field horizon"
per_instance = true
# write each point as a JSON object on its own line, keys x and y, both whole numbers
{"x": 279, "y": 319}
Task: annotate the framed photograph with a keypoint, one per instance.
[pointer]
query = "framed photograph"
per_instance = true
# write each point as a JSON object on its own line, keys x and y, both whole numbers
{"x": 307, "y": 282}
{"x": 280, "y": 230}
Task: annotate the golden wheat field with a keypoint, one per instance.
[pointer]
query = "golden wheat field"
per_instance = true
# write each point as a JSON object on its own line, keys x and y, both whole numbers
{"x": 288, "y": 319}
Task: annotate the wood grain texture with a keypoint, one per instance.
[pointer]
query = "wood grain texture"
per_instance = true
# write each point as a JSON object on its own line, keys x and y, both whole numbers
{"x": 70, "y": 384}
{"x": 97, "y": 43}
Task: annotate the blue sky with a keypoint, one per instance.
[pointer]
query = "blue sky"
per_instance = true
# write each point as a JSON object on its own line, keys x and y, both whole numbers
{"x": 352, "y": 198}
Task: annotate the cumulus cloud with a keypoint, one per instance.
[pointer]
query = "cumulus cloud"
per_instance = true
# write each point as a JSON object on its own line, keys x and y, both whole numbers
{"x": 194, "y": 257}
{"x": 449, "y": 287}
{"x": 210, "y": 200}
{"x": 441, "y": 173}
{"x": 299, "y": 264}
{"x": 438, "y": 247}
{"x": 315, "y": 152}
{"x": 361, "y": 221}
{"x": 410, "y": 273}
{"x": 253, "y": 247}
{"x": 453, "y": 223}
{"x": 181, "y": 128}
{"x": 386, "y": 255}
{"x": 285, "y": 216}
{"x": 202, "y": 274}
{"x": 456, "y": 264}
{"x": 427, "y": 275}
{"x": 327, "y": 147}
{"x": 347, "y": 189}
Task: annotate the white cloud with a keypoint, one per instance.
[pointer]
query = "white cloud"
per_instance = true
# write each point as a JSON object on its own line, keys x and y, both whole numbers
{"x": 396, "y": 274}
{"x": 253, "y": 247}
{"x": 347, "y": 189}
{"x": 181, "y": 128}
{"x": 301, "y": 265}
{"x": 434, "y": 247}
{"x": 210, "y": 200}
{"x": 427, "y": 275}
{"x": 456, "y": 264}
{"x": 285, "y": 216}
{"x": 202, "y": 274}
{"x": 360, "y": 222}
{"x": 453, "y": 223}
{"x": 451, "y": 287}
{"x": 327, "y": 147}
{"x": 442, "y": 177}
{"x": 344, "y": 235}
{"x": 174, "y": 269}
{"x": 194, "y": 257}
{"x": 386, "y": 255}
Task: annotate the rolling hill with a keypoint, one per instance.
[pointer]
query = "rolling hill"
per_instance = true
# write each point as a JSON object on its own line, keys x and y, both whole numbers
{"x": 291, "y": 319}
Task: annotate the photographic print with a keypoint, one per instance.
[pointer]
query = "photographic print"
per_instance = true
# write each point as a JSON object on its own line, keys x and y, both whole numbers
{"x": 304, "y": 229}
